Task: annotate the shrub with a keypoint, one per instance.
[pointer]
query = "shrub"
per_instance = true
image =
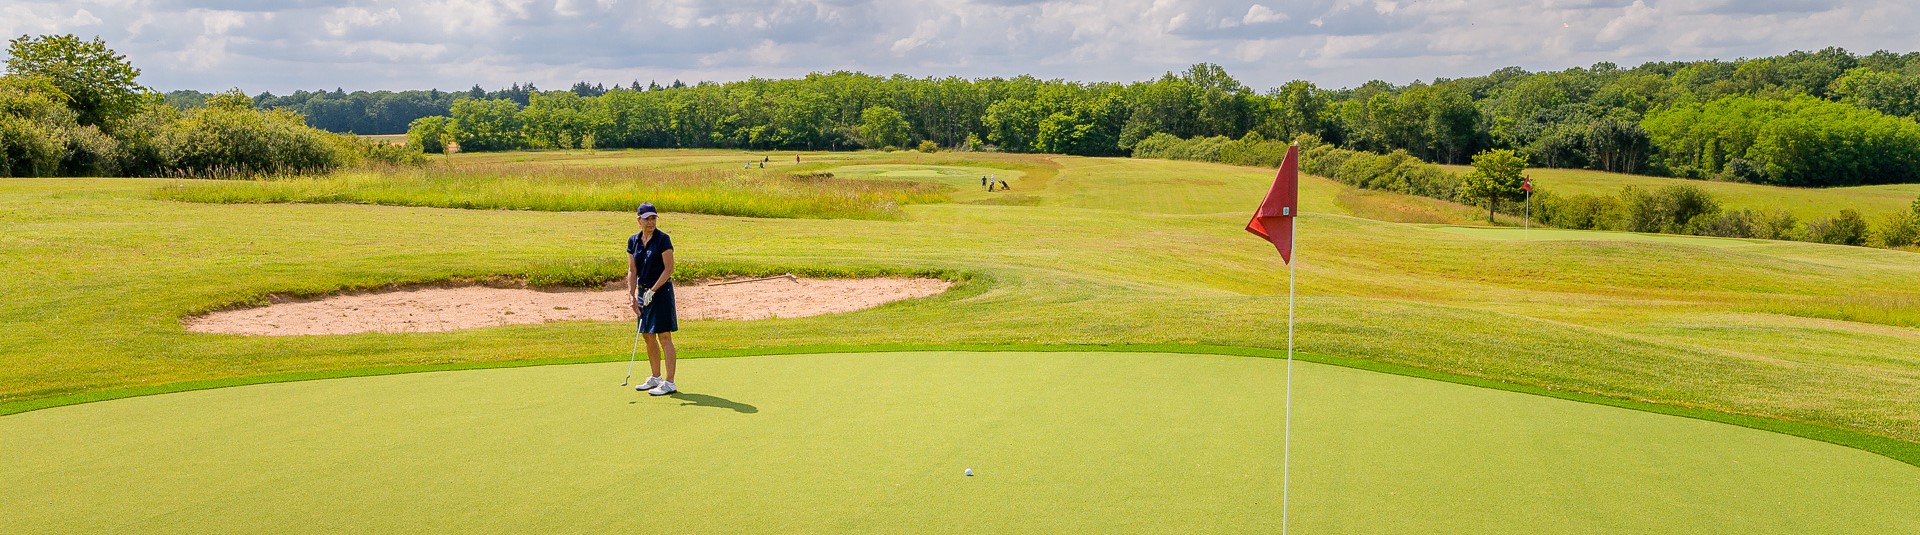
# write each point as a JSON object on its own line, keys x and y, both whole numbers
{"x": 430, "y": 134}
{"x": 1728, "y": 224}
{"x": 230, "y": 140}
{"x": 1740, "y": 170}
{"x": 1583, "y": 211}
{"x": 35, "y": 126}
{"x": 1668, "y": 209}
{"x": 1777, "y": 225}
{"x": 927, "y": 145}
{"x": 356, "y": 150}
{"x": 1898, "y": 229}
{"x": 1848, "y": 228}
{"x": 91, "y": 152}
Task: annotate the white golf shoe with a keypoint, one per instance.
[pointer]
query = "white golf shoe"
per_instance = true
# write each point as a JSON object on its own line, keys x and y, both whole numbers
{"x": 649, "y": 385}
{"x": 665, "y": 387}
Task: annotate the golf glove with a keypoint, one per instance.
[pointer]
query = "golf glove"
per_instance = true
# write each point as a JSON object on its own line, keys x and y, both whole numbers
{"x": 646, "y": 298}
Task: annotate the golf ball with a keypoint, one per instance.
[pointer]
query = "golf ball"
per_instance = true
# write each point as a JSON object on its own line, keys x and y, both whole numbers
{"x": 969, "y": 471}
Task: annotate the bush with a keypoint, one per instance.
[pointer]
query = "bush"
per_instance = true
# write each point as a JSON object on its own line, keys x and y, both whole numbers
{"x": 1669, "y": 209}
{"x": 227, "y": 140}
{"x": 1777, "y": 225}
{"x": 356, "y": 150}
{"x": 1583, "y": 211}
{"x": 430, "y": 134}
{"x": 36, "y": 127}
{"x": 91, "y": 152}
{"x": 1898, "y": 229}
{"x": 1848, "y": 228}
{"x": 1728, "y": 224}
{"x": 927, "y": 145}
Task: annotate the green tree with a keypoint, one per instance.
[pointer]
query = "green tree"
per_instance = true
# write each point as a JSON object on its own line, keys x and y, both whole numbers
{"x": 35, "y": 126}
{"x": 99, "y": 83}
{"x": 1886, "y": 92}
{"x": 231, "y": 99}
{"x": 882, "y": 126}
{"x": 1293, "y": 109}
{"x": 562, "y": 119}
{"x": 1012, "y": 125}
{"x": 487, "y": 124}
{"x": 430, "y": 134}
{"x": 1496, "y": 175}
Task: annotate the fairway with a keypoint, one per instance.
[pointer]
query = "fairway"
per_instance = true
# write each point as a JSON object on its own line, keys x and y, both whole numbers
{"x": 1059, "y": 442}
{"x": 1548, "y": 234}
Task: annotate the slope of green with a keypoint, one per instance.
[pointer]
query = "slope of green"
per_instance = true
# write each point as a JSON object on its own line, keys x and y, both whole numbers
{"x": 879, "y": 442}
{"x": 1804, "y": 203}
{"x": 1105, "y": 251}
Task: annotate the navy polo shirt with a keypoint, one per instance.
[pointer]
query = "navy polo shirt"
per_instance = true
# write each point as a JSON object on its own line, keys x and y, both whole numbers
{"x": 647, "y": 258}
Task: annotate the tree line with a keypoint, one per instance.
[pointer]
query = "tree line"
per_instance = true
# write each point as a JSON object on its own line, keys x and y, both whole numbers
{"x": 1820, "y": 118}
{"x": 387, "y": 112}
{"x": 70, "y": 107}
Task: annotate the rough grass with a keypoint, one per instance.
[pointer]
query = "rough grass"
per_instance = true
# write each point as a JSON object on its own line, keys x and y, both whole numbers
{"x": 748, "y": 193}
{"x": 1109, "y": 251}
{"x": 1804, "y": 203}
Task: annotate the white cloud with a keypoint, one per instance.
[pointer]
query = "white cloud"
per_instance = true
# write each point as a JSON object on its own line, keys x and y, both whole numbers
{"x": 347, "y": 18}
{"x": 17, "y": 19}
{"x": 1633, "y": 20}
{"x": 396, "y": 44}
{"x": 1259, "y": 14}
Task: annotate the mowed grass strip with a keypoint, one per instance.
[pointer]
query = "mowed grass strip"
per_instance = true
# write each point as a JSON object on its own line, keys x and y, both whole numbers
{"x": 737, "y": 192}
{"x": 1111, "y": 251}
{"x": 877, "y": 442}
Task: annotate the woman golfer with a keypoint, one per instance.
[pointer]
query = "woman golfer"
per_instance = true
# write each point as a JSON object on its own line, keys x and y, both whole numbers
{"x": 650, "y": 286}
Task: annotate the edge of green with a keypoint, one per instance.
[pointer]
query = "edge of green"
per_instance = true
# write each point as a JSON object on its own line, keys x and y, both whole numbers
{"x": 1895, "y": 449}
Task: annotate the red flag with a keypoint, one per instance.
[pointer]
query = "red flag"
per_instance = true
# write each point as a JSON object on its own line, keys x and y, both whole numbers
{"x": 1527, "y": 184}
{"x": 1274, "y": 219}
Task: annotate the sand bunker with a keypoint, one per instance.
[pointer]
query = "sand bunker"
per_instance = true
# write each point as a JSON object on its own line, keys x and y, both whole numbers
{"x": 447, "y": 309}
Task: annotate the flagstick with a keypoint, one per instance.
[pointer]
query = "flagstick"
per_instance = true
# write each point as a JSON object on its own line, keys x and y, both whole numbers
{"x": 1286, "y": 448}
{"x": 1526, "y": 225}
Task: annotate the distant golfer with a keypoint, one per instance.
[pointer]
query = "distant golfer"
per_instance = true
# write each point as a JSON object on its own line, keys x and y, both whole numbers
{"x": 650, "y": 286}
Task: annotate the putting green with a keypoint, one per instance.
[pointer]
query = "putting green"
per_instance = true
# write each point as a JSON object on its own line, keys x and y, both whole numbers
{"x": 1060, "y": 442}
{"x": 1510, "y": 233}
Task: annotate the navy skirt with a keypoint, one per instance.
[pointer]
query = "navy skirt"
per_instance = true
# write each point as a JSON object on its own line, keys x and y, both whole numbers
{"x": 659, "y": 317}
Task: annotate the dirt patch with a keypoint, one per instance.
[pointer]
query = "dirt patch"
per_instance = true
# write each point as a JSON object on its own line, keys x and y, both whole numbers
{"x": 448, "y": 309}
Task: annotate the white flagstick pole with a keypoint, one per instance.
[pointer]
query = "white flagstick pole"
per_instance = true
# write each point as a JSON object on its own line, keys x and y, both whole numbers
{"x": 1526, "y": 228}
{"x": 1286, "y": 455}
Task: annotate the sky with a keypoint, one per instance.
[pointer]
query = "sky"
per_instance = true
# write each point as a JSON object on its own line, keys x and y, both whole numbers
{"x": 214, "y": 45}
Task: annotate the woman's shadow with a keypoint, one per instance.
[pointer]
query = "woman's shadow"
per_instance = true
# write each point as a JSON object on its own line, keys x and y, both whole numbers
{"x": 703, "y": 400}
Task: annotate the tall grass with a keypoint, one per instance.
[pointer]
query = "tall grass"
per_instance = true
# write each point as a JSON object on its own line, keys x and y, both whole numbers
{"x": 1895, "y": 310}
{"x": 577, "y": 189}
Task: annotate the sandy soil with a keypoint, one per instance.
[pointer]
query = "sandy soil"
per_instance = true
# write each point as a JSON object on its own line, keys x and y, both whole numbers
{"x": 447, "y": 309}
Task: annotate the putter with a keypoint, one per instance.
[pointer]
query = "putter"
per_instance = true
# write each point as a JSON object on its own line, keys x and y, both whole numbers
{"x": 630, "y": 356}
